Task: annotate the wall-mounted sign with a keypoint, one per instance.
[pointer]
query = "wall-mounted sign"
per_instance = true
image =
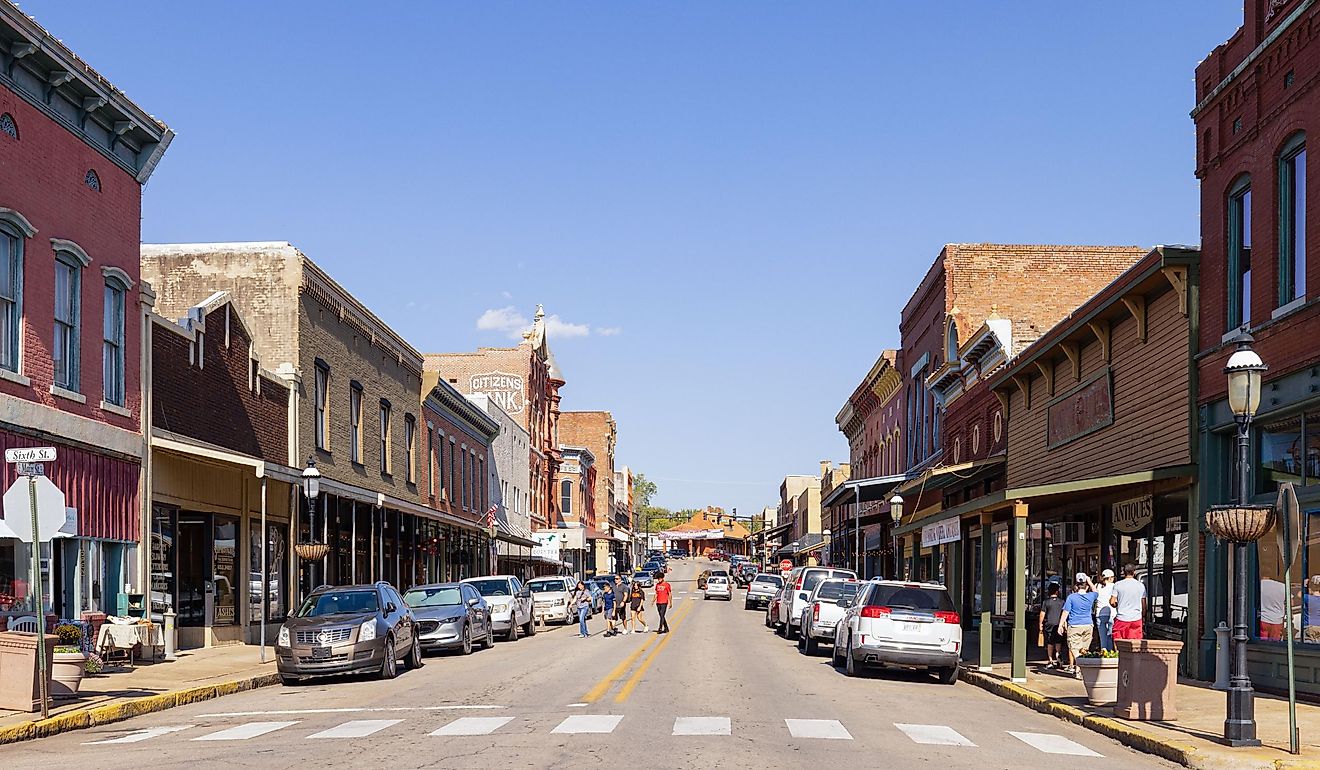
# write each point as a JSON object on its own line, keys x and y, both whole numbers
{"x": 1133, "y": 515}
{"x": 502, "y": 388}
{"x": 941, "y": 532}
{"x": 1082, "y": 411}
{"x": 548, "y": 544}
{"x": 570, "y": 468}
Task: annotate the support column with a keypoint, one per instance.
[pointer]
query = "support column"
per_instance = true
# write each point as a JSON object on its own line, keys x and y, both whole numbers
{"x": 1018, "y": 548}
{"x": 987, "y": 592}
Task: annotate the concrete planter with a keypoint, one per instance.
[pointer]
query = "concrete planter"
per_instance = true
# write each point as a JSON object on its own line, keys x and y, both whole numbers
{"x": 1100, "y": 676}
{"x": 66, "y": 675}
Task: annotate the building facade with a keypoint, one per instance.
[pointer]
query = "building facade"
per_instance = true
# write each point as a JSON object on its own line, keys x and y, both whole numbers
{"x": 598, "y": 432}
{"x": 74, "y": 154}
{"x": 577, "y": 490}
{"x": 511, "y": 494}
{"x": 872, "y": 421}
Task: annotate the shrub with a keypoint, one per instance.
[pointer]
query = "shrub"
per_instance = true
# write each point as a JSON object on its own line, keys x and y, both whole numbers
{"x": 69, "y": 634}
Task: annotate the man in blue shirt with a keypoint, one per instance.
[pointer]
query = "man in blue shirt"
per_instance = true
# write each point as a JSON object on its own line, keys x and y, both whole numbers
{"x": 1076, "y": 622}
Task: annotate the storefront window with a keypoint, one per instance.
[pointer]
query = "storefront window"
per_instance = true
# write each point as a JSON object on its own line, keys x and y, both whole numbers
{"x": 277, "y": 554}
{"x": 225, "y": 582}
{"x": 16, "y": 577}
{"x": 162, "y": 561}
{"x": 1001, "y": 569}
{"x": 1281, "y": 453}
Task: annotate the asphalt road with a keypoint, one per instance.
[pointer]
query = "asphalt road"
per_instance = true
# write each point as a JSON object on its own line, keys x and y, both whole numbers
{"x": 721, "y": 690}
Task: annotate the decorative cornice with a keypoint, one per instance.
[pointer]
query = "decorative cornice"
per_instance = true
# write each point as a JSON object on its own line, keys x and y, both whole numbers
{"x": 320, "y": 286}
{"x": 445, "y": 397}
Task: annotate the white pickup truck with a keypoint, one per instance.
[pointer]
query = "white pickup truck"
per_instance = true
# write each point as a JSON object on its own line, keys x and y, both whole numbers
{"x": 823, "y": 612}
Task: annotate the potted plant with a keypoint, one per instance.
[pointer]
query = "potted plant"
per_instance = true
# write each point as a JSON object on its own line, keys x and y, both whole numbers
{"x": 1099, "y": 671}
{"x": 70, "y": 661}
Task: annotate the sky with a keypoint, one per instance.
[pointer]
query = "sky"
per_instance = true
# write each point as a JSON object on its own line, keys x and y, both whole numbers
{"x": 723, "y": 206}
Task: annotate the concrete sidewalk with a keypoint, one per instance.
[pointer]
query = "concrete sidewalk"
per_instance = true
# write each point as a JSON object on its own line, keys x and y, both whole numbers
{"x": 110, "y": 697}
{"x": 1193, "y": 740}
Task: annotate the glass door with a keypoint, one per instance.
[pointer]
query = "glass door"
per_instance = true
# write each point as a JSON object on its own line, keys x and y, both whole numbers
{"x": 194, "y": 570}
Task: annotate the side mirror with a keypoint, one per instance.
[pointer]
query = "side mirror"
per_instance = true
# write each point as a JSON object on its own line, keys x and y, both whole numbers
{"x": 474, "y": 601}
{"x": 525, "y": 594}
{"x": 390, "y": 609}
{"x": 803, "y": 595}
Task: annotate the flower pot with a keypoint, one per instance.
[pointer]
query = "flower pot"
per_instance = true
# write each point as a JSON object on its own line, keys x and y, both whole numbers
{"x": 66, "y": 674}
{"x": 1100, "y": 676}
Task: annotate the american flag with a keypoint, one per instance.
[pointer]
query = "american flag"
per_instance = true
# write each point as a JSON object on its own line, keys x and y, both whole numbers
{"x": 490, "y": 515}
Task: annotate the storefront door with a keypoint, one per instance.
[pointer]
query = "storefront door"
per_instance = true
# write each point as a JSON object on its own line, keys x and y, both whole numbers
{"x": 1083, "y": 558}
{"x": 194, "y": 583}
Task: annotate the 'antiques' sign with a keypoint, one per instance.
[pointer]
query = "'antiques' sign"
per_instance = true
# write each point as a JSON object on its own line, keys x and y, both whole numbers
{"x": 1086, "y": 409}
{"x": 504, "y": 389}
{"x": 941, "y": 532}
{"x": 1133, "y": 515}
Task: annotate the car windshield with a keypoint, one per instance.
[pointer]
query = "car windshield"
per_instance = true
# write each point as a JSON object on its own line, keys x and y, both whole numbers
{"x": 433, "y": 596}
{"x": 642, "y": 575}
{"x": 911, "y": 597}
{"x": 491, "y": 587}
{"x": 813, "y": 578}
{"x": 339, "y": 603}
{"x": 546, "y": 586}
{"x": 833, "y": 590}
{"x": 716, "y": 581}
{"x": 773, "y": 580}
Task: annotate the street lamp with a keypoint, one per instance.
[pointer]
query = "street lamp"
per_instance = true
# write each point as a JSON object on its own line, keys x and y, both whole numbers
{"x": 1241, "y": 523}
{"x": 825, "y": 537}
{"x": 896, "y": 514}
{"x": 311, "y": 549}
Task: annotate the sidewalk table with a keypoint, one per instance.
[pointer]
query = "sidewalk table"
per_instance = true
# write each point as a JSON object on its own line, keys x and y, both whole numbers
{"x": 127, "y": 639}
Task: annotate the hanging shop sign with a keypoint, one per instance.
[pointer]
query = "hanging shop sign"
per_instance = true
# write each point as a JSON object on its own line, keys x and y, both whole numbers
{"x": 1133, "y": 515}
{"x": 1084, "y": 410}
{"x": 947, "y": 531}
{"x": 548, "y": 544}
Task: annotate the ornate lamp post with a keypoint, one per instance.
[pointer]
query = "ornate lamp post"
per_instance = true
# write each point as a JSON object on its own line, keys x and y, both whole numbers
{"x": 896, "y": 513}
{"x": 311, "y": 548}
{"x": 1241, "y": 523}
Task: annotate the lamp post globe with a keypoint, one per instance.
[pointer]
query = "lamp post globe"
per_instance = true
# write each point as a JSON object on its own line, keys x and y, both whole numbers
{"x": 1244, "y": 370}
{"x": 311, "y": 479}
{"x": 896, "y": 514}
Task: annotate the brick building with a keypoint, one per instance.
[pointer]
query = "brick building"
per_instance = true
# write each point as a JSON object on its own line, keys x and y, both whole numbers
{"x": 597, "y": 432}
{"x": 831, "y": 478}
{"x": 1256, "y": 102}
{"x": 74, "y": 154}
{"x": 577, "y": 497}
{"x": 525, "y": 382}
{"x": 510, "y": 495}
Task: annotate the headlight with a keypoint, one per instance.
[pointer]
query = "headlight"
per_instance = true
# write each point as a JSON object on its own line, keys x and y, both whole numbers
{"x": 368, "y": 631}
{"x": 447, "y": 621}
{"x": 283, "y": 641}
{"x": 498, "y": 607}
{"x": 560, "y": 602}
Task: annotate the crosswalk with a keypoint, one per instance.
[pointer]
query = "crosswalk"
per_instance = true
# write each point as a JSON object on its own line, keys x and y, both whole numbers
{"x": 805, "y": 730}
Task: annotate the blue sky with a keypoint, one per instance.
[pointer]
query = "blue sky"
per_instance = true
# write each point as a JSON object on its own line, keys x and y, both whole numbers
{"x": 724, "y": 204}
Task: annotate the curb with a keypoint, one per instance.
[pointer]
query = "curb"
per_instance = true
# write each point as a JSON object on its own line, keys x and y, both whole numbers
{"x": 118, "y": 712}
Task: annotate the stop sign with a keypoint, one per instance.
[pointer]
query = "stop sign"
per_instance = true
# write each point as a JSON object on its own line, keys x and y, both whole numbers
{"x": 18, "y": 509}
{"x": 786, "y": 565}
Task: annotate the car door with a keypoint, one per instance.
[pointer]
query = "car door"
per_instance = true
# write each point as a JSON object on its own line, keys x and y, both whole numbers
{"x": 403, "y": 620}
{"x": 522, "y": 605}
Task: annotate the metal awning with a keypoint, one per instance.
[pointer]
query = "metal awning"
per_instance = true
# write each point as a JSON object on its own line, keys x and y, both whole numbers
{"x": 945, "y": 476}
{"x": 771, "y": 532}
{"x": 505, "y": 532}
{"x": 872, "y": 490}
{"x": 190, "y": 447}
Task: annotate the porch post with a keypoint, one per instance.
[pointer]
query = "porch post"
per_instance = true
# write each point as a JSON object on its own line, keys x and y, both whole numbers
{"x": 987, "y": 592}
{"x": 352, "y": 559}
{"x": 265, "y": 577}
{"x": 1018, "y": 547}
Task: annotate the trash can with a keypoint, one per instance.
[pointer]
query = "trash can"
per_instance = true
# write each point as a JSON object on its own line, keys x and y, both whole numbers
{"x": 1147, "y": 676}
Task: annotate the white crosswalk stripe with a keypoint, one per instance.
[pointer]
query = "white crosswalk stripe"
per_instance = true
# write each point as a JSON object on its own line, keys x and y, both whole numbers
{"x": 1054, "y": 744}
{"x": 473, "y": 726}
{"x": 357, "y": 728}
{"x": 936, "y": 735}
{"x": 245, "y": 731}
{"x": 831, "y": 729}
{"x": 702, "y": 726}
{"x": 589, "y": 723}
{"x": 141, "y": 735}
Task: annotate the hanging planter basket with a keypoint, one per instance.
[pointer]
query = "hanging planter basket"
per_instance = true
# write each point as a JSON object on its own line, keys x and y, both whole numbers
{"x": 1240, "y": 523}
{"x": 312, "y": 551}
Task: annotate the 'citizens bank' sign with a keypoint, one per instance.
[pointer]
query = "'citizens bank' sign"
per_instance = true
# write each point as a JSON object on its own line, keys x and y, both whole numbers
{"x": 504, "y": 389}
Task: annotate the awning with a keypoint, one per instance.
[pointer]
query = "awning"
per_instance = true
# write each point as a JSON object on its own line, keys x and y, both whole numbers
{"x": 945, "y": 476}
{"x": 771, "y": 532}
{"x": 872, "y": 490}
{"x": 596, "y": 534}
{"x": 505, "y": 532}
{"x": 190, "y": 447}
{"x": 810, "y": 544}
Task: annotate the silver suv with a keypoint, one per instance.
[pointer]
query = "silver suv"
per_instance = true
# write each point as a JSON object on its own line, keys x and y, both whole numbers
{"x": 761, "y": 589}
{"x": 346, "y": 630}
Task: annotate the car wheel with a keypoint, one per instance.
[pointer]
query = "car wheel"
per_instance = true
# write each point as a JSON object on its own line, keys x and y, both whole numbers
{"x": 810, "y": 645}
{"x": 835, "y": 660}
{"x": 790, "y": 633}
{"x": 947, "y": 675}
{"x": 849, "y": 663}
{"x": 389, "y": 667}
{"x": 414, "y": 660}
{"x": 489, "y": 641}
{"x": 768, "y": 624}
{"x": 802, "y": 643}
{"x": 512, "y": 635}
{"x": 466, "y": 647}
{"x": 531, "y": 627}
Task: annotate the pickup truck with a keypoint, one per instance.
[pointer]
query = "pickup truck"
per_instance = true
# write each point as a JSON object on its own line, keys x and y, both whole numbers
{"x": 761, "y": 590}
{"x": 823, "y": 612}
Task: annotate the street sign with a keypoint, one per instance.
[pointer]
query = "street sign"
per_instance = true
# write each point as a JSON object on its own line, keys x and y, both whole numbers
{"x": 786, "y": 565}
{"x": 31, "y": 469}
{"x": 1287, "y": 523}
{"x": 35, "y": 454}
{"x": 50, "y": 508}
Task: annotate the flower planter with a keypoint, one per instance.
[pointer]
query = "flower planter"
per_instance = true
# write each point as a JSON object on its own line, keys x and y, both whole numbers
{"x": 1100, "y": 676}
{"x": 67, "y": 669}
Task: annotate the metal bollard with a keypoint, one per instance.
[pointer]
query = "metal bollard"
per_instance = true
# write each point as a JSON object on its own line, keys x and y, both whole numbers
{"x": 1221, "y": 656}
{"x": 169, "y": 634}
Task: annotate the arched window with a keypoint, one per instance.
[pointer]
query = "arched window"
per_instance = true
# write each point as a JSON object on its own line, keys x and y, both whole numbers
{"x": 1239, "y": 253}
{"x": 92, "y": 181}
{"x": 1292, "y": 219}
{"x": 70, "y": 260}
{"x": 951, "y": 341}
{"x": 566, "y": 496}
{"x": 117, "y": 284}
{"x": 8, "y": 126}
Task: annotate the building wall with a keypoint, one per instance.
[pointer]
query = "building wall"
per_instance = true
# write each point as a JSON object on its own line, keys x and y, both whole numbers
{"x": 1150, "y": 401}
{"x": 975, "y": 427}
{"x": 464, "y": 494}
{"x": 597, "y": 432}
{"x": 509, "y": 455}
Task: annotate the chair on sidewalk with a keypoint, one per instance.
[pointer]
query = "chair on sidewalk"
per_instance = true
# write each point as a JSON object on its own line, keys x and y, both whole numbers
{"x": 25, "y": 623}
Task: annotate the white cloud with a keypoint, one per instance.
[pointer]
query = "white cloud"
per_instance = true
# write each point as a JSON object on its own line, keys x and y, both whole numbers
{"x": 506, "y": 295}
{"x": 506, "y": 320}
{"x": 558, "y": 328}
{"x": 609, "y": 331}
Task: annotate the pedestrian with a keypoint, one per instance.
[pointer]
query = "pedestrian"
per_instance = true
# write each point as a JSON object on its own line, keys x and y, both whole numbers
{"x": 636, "y": 603}
{"x": 1104, "y": 612}
{"x": 1076, "y": 619}
{"x": 1129, "y": 603}
{"x": 607, "y": 601}
{"x": 1051, "y": 614}
{"x": 1311, "y": 610}
{"x": 582, "y": 603}
{"x": 662, "y": 592}
{"x": 620, "y": 605}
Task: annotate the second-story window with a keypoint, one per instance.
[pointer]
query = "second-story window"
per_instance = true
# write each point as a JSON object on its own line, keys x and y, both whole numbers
{"x": 11, "y": 296}
{"x": 430, "y": 461}
{"x": 410, "y": 447}
{"x": 321, "y": 404}
{"x": 112, "y": 345}
{"x": 355, "y": 422}
{"x": 385, "y": 464}
{"x": 68, "y": 277}
{"x": 1239, "y": 255}
{"x": 467, "y": 477}
{"x": 566, "y": 496}
{"x": 1292, "y": 220}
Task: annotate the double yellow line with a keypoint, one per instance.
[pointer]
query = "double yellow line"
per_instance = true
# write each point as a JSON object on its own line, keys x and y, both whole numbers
{"x": 655, "y": 644}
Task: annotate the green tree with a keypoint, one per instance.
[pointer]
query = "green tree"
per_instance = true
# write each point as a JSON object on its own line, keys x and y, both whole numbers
{"x": 643, "y": 490}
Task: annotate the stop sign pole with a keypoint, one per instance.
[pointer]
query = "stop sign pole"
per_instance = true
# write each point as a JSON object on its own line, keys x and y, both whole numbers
{"x": 31, "y": 464}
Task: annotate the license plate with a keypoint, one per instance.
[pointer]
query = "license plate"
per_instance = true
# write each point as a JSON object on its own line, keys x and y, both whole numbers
{"x": 320, "y": 653}
{"x": 912, "y": 628}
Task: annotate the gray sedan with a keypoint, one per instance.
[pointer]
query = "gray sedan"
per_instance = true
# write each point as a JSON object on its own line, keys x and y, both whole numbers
{"x": 450, "y": 616}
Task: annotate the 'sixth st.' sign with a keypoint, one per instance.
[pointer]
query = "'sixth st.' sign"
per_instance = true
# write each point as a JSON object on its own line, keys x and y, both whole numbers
{"x": 1083, "y": 410}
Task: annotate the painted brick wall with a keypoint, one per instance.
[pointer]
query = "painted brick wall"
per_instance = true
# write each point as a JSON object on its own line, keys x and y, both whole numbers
{"x": 41, "y": 177}
{"x": 457, "y": 439}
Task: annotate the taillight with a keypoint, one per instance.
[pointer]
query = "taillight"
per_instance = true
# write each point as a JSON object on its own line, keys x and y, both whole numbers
{"x": 815, "y": 611}
{"x": 798, "y": 586}
{"x": 875, "y": 612}
{"x": 947, "y": 617}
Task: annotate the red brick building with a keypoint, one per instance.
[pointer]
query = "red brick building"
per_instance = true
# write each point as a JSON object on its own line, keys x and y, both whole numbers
{"x": 74, "y": 154}
{"x": 597, "y": 432}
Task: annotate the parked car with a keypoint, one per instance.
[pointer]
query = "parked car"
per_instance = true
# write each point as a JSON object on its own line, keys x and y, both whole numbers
{"x": 718, "y": 587}
{"x": 677, "y": 553}
{"x": 799, "y": 584}
{"x": 510, "y": 604}
{"x": 550, "y": 599}
{"x": 772, "y": 607}
{"x": 707, "y": 574}
{"x": 644, "y": 578}
{"x": 761, "y": 590}
{"x": 345, "y": 630}
{"x": 823, "y": 612}
{"x": 450, "y": 616}
{"x": 893, "y": 623}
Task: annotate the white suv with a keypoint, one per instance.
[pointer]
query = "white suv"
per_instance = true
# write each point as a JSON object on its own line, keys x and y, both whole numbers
{"x": 823, "y": 612}
{"x": 900, "y": 624}
{"x": 797, "y": 591}
{"x": 510, "y": 604}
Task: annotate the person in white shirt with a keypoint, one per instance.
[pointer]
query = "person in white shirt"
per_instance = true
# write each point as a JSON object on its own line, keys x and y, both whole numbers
{"x": 1273, "y": 598}
{"x": 1104, "y": 612}
{"x": 1128, "y": 599}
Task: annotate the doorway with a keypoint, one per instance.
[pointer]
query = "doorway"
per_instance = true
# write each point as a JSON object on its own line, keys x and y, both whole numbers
{"x": 194, "y": 554}
{"x": 1083, "y": 558}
